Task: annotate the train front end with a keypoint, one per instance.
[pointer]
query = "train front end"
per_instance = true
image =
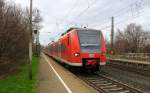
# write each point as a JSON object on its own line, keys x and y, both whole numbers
{"x": 92, "y": 51}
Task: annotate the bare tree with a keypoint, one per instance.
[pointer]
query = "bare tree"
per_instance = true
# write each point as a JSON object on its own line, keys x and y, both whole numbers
{"x": 13, "y": 35}
{"x": 132, "y": 39}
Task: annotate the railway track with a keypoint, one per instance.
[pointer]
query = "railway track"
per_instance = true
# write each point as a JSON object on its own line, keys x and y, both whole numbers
{"x": 106, "y": 85}
{"x": 141, "y": 71}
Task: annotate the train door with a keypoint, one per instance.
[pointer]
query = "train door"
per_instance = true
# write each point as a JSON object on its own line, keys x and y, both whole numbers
{"x": 68, "y": 47}
{"x": 59, "y": 43}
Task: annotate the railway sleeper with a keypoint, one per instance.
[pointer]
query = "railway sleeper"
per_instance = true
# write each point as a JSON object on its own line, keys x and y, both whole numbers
{"x": 94, "y": 79}
{"x": 121, "y": 91}
{"x": 104, "y": 84}
{"x": 115, "y": 89}
{"x": 98, "y": 82}
{"x": 111, "y": 86}
{"x": 103, "y": 81}
{"x": 124, "y": 91}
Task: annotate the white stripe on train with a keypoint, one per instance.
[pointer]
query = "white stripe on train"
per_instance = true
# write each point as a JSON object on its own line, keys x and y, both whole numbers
{"x": 73, "y": 64}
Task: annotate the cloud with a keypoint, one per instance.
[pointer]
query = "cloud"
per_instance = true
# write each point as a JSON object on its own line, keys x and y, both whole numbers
{"x": 59, "y": 15}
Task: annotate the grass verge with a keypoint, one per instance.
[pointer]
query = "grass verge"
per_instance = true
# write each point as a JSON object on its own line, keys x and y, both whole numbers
{"x": 20, "y": 83}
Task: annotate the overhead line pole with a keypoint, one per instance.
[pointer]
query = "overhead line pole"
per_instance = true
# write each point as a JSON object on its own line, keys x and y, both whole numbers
{"x": 36, "y": 31}
{"x": 112, "y": 35}
{"x": 30, "y": 43}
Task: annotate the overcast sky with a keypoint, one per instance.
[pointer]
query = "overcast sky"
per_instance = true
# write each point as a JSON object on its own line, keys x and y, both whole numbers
{"x": 59, "y": 15}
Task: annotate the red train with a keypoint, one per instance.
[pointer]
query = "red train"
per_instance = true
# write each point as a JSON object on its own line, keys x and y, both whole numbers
{"x": 80, "y": 47}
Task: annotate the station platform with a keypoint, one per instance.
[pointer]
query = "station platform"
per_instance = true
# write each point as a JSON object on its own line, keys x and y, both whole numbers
{"x": 129, "y": 61}
{"x": 54, "y": 78}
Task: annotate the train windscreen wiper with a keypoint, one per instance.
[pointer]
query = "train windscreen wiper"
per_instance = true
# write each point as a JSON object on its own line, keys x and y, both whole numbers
{"x": 86, "y": 45}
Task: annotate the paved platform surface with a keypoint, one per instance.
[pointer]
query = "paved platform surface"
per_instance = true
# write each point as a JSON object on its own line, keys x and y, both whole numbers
{"x": 131, "y": 61}
{"x": 53, "y": 78}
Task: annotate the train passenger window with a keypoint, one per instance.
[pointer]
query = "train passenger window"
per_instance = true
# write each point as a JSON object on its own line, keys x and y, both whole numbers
{"x": 63, "y": 47}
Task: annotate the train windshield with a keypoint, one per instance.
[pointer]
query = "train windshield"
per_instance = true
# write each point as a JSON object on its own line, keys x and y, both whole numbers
{"x": 89, "y": 41}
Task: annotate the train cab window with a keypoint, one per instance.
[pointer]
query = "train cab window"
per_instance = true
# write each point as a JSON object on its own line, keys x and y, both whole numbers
{"x": 89, "y": 41}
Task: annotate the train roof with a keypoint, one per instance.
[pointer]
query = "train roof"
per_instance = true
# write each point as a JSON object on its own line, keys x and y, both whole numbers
{"x": 81, "y": 29}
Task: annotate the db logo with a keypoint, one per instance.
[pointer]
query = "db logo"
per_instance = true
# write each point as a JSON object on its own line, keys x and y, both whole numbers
{"x": 91, "y": 55}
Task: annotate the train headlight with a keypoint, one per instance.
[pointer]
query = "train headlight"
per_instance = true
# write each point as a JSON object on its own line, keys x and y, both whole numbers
{"x": 76, "y": 54}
